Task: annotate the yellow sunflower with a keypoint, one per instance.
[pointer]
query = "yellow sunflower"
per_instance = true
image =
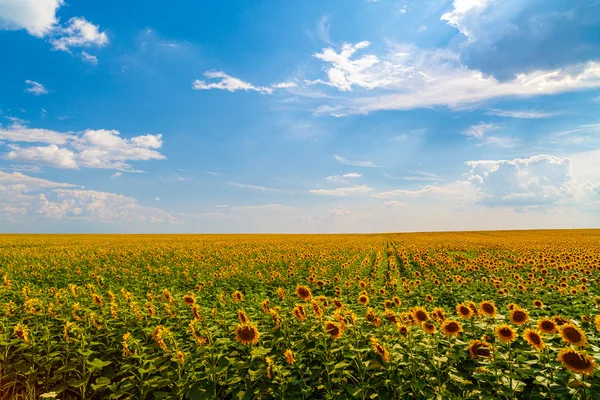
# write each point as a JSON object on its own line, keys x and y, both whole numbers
{"x": 451, "y": 328}
{"x": 333, "y": 329}
{"x": 488, "y": 308}
{"x": 518, "y": 316}
{"x": 246, "y": 334}
{"x": 573, "y": 335}
{"x": 479, "y": 348}
{"x": 464, "y": 311}
{"x": 505, "y": 333}
{"x": 428, "y": 327}
{"x": 547, "y": 325}
{"x": 577, "y": 361}
{"x": 303, "y": 292}
{"x": 420, "y": 314}
{"x": 534, "y": 338}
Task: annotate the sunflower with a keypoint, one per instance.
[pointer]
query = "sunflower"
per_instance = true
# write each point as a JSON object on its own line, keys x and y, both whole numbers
{"x": 464, "y": 311}
{"x": 363, "y": 299}
{"x": 299, "y": 312}
{"x": 402, "y": 329}
{"x": 189, "y": 299}
{"x": 577, "y": 361}
{"x": 21, "y": 333}
{"x": 333, "y": 329}
{"x": 380, "y": 349}
{"x": 337, "y": 303}
{"x": 265, "y": 306}
{"x": 180, "y": 357}
{"x": 303, "y": 292}
{"x": 396, "y": 300}
{"x": 534, "y": 338}
{"x": 238, "y": 296}
{"x": 573, "y": 335}
{"x": 473, "y": 307}
{"x": 419, "y": 314}
{"x": 317, "y": 309}
{"x": 505, "y": 333}
{"x": 597, "y": 322}
{"x": 519, "y": 316}
{"x": 246, "y": 334}
{"x": 242, "y": 317}
{"x": 451, "y": 327}
{"x": 438, "y": 314}
{"x": 547, "y": 325}
{"x": 289, "y": 356}
{"x": 281, "y": 293}
{"x": 479, "y": 348}
{"x": 488, "y": 308}
{"x": 538, "y": 303}
{"x": 428, "y": 327}
{"x": 560, "y": 321}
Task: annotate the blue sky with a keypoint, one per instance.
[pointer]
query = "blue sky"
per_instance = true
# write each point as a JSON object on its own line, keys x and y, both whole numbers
{"x": 296, "y": 116}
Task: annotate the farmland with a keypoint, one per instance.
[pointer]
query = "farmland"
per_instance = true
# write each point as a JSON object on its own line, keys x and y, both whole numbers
{"x": 426, "y": 315}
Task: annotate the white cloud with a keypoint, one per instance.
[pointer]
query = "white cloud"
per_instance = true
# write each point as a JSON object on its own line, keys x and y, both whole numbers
{"x": 26, "y": 196}
{"x": 284, "y": 85}
{"x": 255, "y": 188}
{"x": 540, "y": 181}
{"x": 407, "y": 78}
{"x": 422, "y": 28}
{"x": 35, "y": 88}
{"x": 88, "y": 149}
{"x": 465, "y": 14}
{"x": 89, "y": 58}
{"x": 518, "y": 114}
{"x": 78, "y": 33}
{"x": 342, "y": 178}
{"x": 228, "y": 83}
{"x": 346, "y": 191}
{"x": 52, "y": 155}
{"x": 323, "y": 30}
{"x": 19, "y": 133}
{"x": 346, "y": 73}
{"x": 394, "y": 203}
{"x": 479, "y": 131}
{"x": 423, "y": 191}
{"x": 116, "y": 174}
{"x": 264, "y": 207}
{"x": 38, "y": 17}
{"x": 26, "y": 168}
{"x": 417, "y": 176}
{"x": 342, "y": 160}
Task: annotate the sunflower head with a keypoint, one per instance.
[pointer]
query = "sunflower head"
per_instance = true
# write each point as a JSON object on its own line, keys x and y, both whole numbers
{"x": 333, "y": 329}
{"x": 237, "y": 296}
{"x": 573, "y": 335}
{"x": 303, "y": 292}
{"x": 597, "y": 322}
{"x": 438, "y": 314}
{"x": 519, "y": 316}
{"x": 242, "y": 317}
{"x": 189, "y": 299}
{"x": 547, "y": 325}
{"x": 451, "y": 328}
{"x": 299, "y": 312}
{"x": 428, "y": 327}
{"x": 402, "y": 329}
{"x": 488, "y": 308}
{"x": 534, "y": 338}
{"x": 246, "y": 334}
{"x": 538, "y": 303}
{"x": 577, "y": 361}
{"x": 363, "y": 299}
{"x": 397, "y": 300}
{"x": 479, "y": 348}
{"x": 380, "y": 349}
{"x": 505, "y": 333}
{"x": 464, "y": 311}
{"x": 289, "y": 356}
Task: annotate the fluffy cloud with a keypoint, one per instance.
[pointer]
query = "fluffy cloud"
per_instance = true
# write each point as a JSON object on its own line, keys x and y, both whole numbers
{"x": 25, "y": 196}
{"x": 35, "y": 88}
{"x": 407, "y": 78}
{"x": 540, "y": 180}
{"x": 78, "y": 33}
{"x": 465, "y": 16}
{"x": 88, "y": 149}
{"x": 38, "y": 17}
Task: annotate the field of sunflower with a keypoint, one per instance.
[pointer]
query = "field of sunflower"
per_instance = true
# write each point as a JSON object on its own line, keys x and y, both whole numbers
{"x": 429, "y": 315}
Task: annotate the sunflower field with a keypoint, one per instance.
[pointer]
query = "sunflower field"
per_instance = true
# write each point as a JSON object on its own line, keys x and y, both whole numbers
{"x": 475, "y": 315}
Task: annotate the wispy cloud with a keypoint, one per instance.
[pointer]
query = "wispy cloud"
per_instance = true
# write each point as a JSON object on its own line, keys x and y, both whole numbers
{"x": 342, "y": 192}
{"x": 323, "y": 30}
{"x": 255, "y": 188}
{"x": 519, "y": 114}
{"x": 416, "y": 176}
{"x": 263, "y": 207}
{"x": 35, "y": 88}
{"x": 344, "y": 161}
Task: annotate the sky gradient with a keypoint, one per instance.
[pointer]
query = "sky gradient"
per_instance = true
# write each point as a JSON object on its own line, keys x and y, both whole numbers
{"x": 295, "y": 116}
